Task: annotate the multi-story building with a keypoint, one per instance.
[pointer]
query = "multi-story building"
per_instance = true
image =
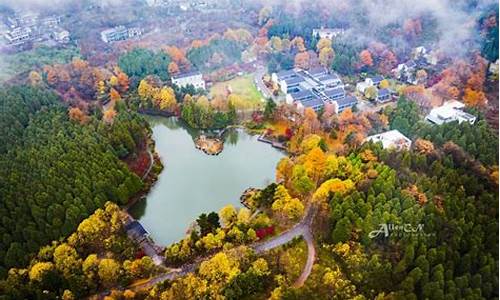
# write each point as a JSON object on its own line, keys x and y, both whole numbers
{"x": 19, "y": 35}
{"x": 117, "y": 33}
{"x": 313, "y": 88}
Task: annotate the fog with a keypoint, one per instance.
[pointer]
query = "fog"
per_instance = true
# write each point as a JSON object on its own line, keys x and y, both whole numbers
{"x": 455, "y": 20}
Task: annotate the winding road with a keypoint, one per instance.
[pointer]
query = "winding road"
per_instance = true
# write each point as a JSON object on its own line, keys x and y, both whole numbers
{"x": 301, "y": 229}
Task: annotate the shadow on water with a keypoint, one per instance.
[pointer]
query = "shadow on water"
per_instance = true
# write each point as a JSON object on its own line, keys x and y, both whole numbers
{"x": 138, "y": 210}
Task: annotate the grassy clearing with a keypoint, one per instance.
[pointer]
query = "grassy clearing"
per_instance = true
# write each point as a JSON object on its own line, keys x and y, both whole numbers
{"x": 242, "y": 86}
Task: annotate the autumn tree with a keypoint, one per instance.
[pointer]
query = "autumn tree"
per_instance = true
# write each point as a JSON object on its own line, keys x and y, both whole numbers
{"x": 424, "y": 146}
{"x": 315, "y": 164}
{"x": 35, "y": 78}
{"x": 109, "y": 271}
{"x": 165, "y": 99}
{"x": 366, "y": 58}
{"x": 387, "y": 63}
{"x": 474, "y": 98}
{"x": 173, "y": 68}
{"x": 323, "y": 43}
{"x": 109, "y": 116}
{"x": 421, "y": 76}
{"x": 384, "y": 84}
{"x": 298, "y": 43}
{"x": 302, "y": 60}
{"x": 412, "y": 28}
{"x": 371, "y": 92}
{"x": 286, "y": 206}
{"x": 123, "y": 80}
{"x": 326, "y": 56}
{"x": 145, "y": 90}
{"x": 76, "y": 114}
{"x": 39, "y": 271}
{"x": 114, "y": 95}
{"x": 276, "y": 43}
{"x": 66, "y": 260}
{"x": 228, "y": 215}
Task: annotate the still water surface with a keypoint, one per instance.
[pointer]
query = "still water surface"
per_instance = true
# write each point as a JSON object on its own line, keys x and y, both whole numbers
{"x": 192, "y": 182}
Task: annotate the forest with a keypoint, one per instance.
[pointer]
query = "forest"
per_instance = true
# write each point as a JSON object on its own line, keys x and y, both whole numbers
{"x": 56, "y": 171}
{"x": 343, "y": 218}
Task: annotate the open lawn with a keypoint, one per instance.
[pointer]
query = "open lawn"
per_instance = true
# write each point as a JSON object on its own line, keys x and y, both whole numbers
{"x": 242, "y": 86}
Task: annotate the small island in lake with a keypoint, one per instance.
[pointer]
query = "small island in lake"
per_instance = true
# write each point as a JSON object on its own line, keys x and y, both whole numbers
{"x": 209, "y": 145}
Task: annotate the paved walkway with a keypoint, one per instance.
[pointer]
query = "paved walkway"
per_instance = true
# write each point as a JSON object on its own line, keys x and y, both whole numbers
{"x": 303, "y": 228}
{"x": 151, "y": 163}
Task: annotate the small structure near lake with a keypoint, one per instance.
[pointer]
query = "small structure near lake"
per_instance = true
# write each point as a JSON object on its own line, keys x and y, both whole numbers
{"x": 211, "y": 146}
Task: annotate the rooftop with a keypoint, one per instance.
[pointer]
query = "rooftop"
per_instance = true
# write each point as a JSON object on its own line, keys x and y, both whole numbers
{"x": 384, "y": 92}
{"x": 335, "y": 92}
{"x": 348, "y": 100}
{"x": 318, "y": 71}
{"x": 301, "y": 95}
{"x": 313, "y": 102}
{"x": 187, "y": 74}
{"x": 293, "y": 80}
{"x": 450, "y": 111}
{"x": 135, "y": 228}
{"x": 286, "y": 74}
{"x": 391, "y": 139}
{"x": 377, "y": 79}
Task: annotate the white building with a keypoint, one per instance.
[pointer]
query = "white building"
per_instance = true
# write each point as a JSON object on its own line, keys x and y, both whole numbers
{"x": 60, "y": 35}
{"x": 327, "y": 33}
{"x": 392, "y": 139}
{"x": 117, "y": 33}
{"x": 18, "y": 35}
{"x": 450, "y": 111}
{"x": 194, "y": 78}
{"x": 363, "y": 85}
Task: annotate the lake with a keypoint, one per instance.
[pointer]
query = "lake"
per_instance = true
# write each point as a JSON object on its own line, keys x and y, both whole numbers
{"x": 193, "y": 182}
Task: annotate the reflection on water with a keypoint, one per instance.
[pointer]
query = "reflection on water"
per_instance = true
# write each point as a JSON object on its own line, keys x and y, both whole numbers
{"x": 193, "y": 182}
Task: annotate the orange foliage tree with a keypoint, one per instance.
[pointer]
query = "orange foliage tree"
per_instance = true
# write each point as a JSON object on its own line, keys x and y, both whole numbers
{"x": 114, "y": 95}
{"x": 474, "y": 98}
{"x": 366, "y": 58}
{"x": 302, "y": 60}
{"x": 76, "y": 114}
{"x": 173, "y": 68}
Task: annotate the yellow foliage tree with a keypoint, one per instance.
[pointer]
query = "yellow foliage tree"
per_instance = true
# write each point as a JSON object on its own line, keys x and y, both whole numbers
{"x": 326, "y": 56}
{"x": 332, "y": 186}
{"x": 323, "y": 43}
{"x": 384, "y": 84}
{"x": 228, "y": 215}
{"x": 109, "y": 270}
{"x": 286, "y": 206}
{"x": 39, "y": 270}
{"x": 315, "y": 164}
{"x": 165, "y": 99}
{"x": 221, "y": 268}
{"x": 145, "y": 90}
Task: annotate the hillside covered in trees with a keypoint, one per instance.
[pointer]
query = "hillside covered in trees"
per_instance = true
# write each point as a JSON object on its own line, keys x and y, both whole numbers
{"x": 345, "y": 218}
{"x": 56, "y": 170}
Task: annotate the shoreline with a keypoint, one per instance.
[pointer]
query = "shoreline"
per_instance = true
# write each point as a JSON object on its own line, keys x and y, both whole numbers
{"x": 151, "y": 177}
